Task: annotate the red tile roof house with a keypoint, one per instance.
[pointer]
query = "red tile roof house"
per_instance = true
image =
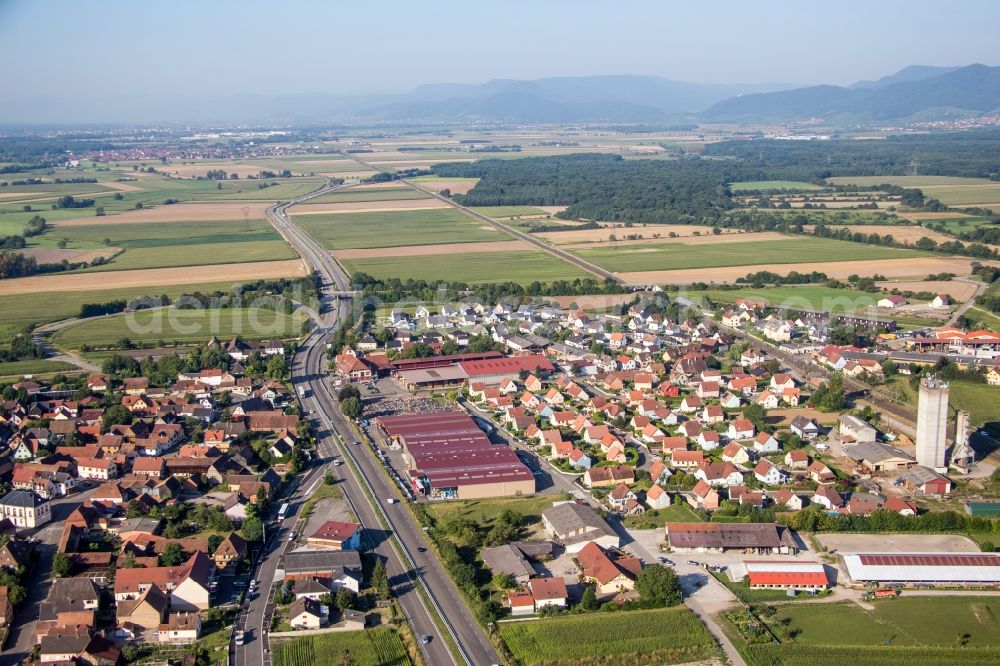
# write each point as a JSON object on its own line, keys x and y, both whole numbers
{"x": 336, "y": 534}
{"x": 794, "y": 574}
{"x": 187, "y": 584}
{"x": 703, "y": 496}
{"x": 548, "y": 592}
{"x": 521, "y": 603}
{"x": 609, "y": 575}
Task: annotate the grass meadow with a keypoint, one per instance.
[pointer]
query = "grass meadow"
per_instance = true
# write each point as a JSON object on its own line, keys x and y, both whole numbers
{"x": 473, "y": 268}
{"x": 813, "y": 296}
{"x": 343, "y": 231}
{"x": 172, "y": 326}
{"x": 373, "y": 194}
{"x": 678, "y": 255}
{"x": 509, "y": 211}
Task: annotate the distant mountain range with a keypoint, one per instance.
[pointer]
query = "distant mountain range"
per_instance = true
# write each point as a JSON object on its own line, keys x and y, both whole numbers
{"x": 914, "y": 93}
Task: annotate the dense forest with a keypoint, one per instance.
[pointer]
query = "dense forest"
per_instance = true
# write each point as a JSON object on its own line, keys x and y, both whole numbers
{"x": 966, "y": 154}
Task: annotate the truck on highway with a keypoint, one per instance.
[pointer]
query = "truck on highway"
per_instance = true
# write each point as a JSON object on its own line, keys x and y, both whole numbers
{"x": 302, "y": 391}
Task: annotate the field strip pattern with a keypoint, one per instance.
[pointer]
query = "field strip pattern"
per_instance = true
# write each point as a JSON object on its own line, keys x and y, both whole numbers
{"x": 436, "y": 249}
{"x": 891, "y": 268}
{"x": 153, "y": 277}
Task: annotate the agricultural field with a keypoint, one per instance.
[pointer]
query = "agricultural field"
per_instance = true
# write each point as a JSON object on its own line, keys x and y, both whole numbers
{"x": 957, "y": 225}
{"x": 953, "y": 191}
{"x": 673, "y": 256}
{"x": 662, "y": 636}
{"x": 792, "y": 654}
{"x": 391, "y": 229}
{"x": 371, "y": 647}
{"x": 173, "y": 326}
{"x": 814, "y": 296}
{"x": 981, "y": 400}
{"x": 41, "y": 308}
{"x": 33, "y": 367}
{"x": 764, "y": 185}
{"x": 169, "y": 256}
{"x": 373, "y": 194}
{"x": 498, "y": 212}
{"x": 472, "y": 268}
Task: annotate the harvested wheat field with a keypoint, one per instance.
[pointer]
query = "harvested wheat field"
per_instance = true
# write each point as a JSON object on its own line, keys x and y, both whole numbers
{"x": 152, "y": 277}
{"x": 181, "y": 212}
{"x": 347, "y": 175}
{"x": 368, "y": 206}
{"x": 900, "y": 232}
{"x": 957, "y": 289}
{"x": 932, "y": 216}
{"x": 52, "y": 255}
{"x": 123, "y": 187}
{"x": 453, "y": 186}
{"x": 18, "y": 195}
{"x": 552, "y": 210}
{"x": 902, "y": 268}
{"x": 684, "y": 240}
{"x": 444, "y": 248}
{"x": 195, "y": 170}
{"x": 685, "y": 231}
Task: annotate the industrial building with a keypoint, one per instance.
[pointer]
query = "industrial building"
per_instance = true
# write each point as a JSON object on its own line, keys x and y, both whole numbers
{"x": 493, "y": 370}
{"x": 449, "y": 457}
{"x": 786, "y": 574}
{"x": 923, "y": 568}
{"x": 932, "y": 422}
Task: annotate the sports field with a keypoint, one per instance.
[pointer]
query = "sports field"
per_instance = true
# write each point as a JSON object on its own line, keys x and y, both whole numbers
{"x": 170, "y": 326}
{"x": 390, "y": 229}
{"x": 520, "y": 267}
{"x": 663, "y": 636}
{"x": 671, "y": 256}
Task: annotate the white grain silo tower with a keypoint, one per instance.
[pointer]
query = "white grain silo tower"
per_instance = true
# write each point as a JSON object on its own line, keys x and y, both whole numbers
{"x": 932, "y": 423}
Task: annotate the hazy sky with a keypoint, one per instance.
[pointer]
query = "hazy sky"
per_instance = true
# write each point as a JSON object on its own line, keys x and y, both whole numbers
{"x": 221, "y": 47}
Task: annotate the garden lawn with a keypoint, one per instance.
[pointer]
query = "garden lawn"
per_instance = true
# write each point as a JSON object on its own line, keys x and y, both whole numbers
{"x": 170, "y": 325}
{"x": 472, "y": 268}
{"x": 343, "y": 231}
{"x": 485, "y": 510}
{"x": 793, "y": 250}
{"x": 657, "y": 518}
{"x": 662, "y": 636}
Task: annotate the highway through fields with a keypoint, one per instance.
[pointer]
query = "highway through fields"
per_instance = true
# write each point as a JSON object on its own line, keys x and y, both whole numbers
{"x": 419, "y": 581}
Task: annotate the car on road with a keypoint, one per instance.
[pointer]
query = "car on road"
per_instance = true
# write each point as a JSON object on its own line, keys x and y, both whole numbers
{"x": 240, "y": 638}
{"x": 693, "y": 563}
{"x": 425, "y": 639}
{"x": 291, "y": 536}
{"x": 664, "y": 560}
{"x": 391, "y": 500}
{"x": 421, "y": 549}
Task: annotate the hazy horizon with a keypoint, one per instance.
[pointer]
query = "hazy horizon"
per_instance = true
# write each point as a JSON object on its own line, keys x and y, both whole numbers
{"x": 101, "y": 56}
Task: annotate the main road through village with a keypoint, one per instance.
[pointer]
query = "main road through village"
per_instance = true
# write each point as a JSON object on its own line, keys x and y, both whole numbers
{"x": 419, "y": 582}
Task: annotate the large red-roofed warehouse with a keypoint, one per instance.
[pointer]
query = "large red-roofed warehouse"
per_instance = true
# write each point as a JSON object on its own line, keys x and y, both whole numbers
{"x": 785, "y": 574}
{"x": 924, "y": 568}
{"x": 449, "y": 457}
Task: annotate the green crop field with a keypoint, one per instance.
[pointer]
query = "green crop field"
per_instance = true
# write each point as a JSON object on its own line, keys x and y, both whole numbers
{"x": 372, "y": 647}
{"x": 41, "y": 308}
{"x": 393, "y": 229}
{"x": 663, "y": 636}
{"x": 509, "y": 211}
{"x": 773, "y": 185}
{"x": 815, "y": 296}
{"x": 178, "y": 326}
{"x": 196, "y": 255}
{"x": 907, "y": 181}
{"x": 791, "y": 654}
{"x": 792, "y": 250}
{"x": 957, "y": 225}
{"x": 949, "y": 190}
{"x": 372, "y": 194}
{"x": 472, "y": 268}
{"x": 34, "y": 367}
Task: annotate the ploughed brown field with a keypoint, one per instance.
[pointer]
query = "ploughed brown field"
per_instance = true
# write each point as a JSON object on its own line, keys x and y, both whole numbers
{"x": 153, "y": 277}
